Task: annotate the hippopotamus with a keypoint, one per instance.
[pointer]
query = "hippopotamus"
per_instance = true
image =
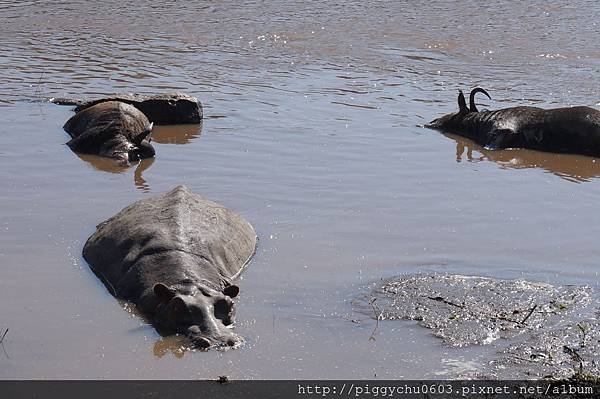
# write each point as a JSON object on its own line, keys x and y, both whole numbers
{"x": 175, "y": 257}
{"x": 162, "y": 109}
{"x": 573, "y": 130}
{"x": 111, "y": 129}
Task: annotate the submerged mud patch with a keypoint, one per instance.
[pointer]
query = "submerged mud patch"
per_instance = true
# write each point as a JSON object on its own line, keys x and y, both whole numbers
{"x": 571, "y": 348}
{"x": 539, "y": 329}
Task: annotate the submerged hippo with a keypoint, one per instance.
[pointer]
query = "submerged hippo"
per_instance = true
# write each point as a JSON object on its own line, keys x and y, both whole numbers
{"x": 565, "y": 130}
{"x": 111, "y": 129}
{"x": 175, "y": 256}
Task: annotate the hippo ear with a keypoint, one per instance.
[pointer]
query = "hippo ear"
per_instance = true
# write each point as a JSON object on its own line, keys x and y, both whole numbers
{"x": 231, "y": 291}
{"x": 462, "y": 104}
{"x": 163, "y": 292}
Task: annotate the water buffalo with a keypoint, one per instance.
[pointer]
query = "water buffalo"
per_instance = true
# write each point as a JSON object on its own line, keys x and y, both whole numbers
{"x": 573, "y": 130}
{"x": 111, "y": 129}
{"x": 175, "y": 257}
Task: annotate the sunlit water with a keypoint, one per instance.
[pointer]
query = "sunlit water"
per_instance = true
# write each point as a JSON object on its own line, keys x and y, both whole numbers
{"x": 312, "y": 132}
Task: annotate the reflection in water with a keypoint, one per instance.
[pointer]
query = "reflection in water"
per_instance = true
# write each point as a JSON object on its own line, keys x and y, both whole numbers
{"x": 112, "y": 166}
{"x": 171, "y": 134}
{"x": 103, "y": 163}
{"x": 176, "y": 134}
{"x": 138, "y": 180}
{"x": 571, "y": 167}
{"x": 174, "y": 344}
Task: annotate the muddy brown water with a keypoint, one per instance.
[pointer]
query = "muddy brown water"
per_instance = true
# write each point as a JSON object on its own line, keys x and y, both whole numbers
{"x": 312, "y": 132}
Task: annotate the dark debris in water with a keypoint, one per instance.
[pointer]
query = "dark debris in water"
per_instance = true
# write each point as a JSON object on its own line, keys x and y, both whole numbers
{"x": 541, "y": 328}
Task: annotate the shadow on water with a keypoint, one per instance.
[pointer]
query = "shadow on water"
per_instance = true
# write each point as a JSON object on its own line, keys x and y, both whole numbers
{"x": 571, "y": 167}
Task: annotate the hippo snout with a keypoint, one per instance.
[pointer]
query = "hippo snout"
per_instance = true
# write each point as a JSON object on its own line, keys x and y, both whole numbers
{"x": 202, "y": 340}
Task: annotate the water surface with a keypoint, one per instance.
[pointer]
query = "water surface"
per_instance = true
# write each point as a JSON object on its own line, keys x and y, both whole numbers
{"x": 313, "y": 132}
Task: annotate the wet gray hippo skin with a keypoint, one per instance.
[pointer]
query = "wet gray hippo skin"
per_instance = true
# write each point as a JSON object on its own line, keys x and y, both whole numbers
{"x": 111, "y": 129}
{"x": 573, "y": 130}
{"x": 162, "y": 109}
{"x": 175, "y": 257}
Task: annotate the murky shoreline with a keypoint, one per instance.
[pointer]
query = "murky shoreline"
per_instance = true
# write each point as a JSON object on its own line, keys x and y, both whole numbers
{"x": 313, "y": 133}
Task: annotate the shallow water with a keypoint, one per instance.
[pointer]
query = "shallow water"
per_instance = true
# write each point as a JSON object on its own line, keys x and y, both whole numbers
{"x": 313, "y": 133}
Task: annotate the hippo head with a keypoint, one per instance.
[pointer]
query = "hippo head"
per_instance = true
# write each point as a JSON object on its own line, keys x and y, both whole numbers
{"x": 204, "y": 315}
{"x": 456, "y": 120}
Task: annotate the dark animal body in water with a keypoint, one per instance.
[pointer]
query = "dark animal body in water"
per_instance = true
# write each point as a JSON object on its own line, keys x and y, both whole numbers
{"x": 111, "y": 129}
{"x": 175, "y": 257}
{"x": 162, "y": 109}
{"x": 573, "y": 130}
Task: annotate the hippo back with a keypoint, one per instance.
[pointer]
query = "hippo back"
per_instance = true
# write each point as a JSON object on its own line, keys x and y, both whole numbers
{"x": 179, "y": 222}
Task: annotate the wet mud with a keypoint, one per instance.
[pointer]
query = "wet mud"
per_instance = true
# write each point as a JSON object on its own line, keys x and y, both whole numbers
{"x": 538, "y": 329}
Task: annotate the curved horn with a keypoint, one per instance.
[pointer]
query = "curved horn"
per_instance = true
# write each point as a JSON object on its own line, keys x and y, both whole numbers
{"x": 462, "y": 104}
{"x": 476, "y": 90}
{"x": 143, "y": 135}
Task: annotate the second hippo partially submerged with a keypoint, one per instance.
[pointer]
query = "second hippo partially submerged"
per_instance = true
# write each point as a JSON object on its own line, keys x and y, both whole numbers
{"x": 175, "y": 256}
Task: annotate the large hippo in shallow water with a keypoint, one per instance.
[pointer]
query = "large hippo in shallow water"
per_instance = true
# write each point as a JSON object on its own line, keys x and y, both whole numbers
{"x": 565, "y": 130}
{"x": 111, "y": 129}
{"x": 175, "y": 256}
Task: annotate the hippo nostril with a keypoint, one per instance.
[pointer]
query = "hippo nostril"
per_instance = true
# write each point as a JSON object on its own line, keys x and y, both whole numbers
{"x": 202, "y": 343}
{"x": 231, "y": 342}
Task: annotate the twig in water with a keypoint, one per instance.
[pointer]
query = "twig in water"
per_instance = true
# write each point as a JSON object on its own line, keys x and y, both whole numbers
{"x": 377, "y": 316}
{"x": 576, "y": 357}
{"x": 529, "y": 314}
{"x": 3, "y": 335}
{"x": 2, "y": 344}
{"x": 584, "y": 332}
{"x": 447, "y": 302}
{"x": 38, "y": 88}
